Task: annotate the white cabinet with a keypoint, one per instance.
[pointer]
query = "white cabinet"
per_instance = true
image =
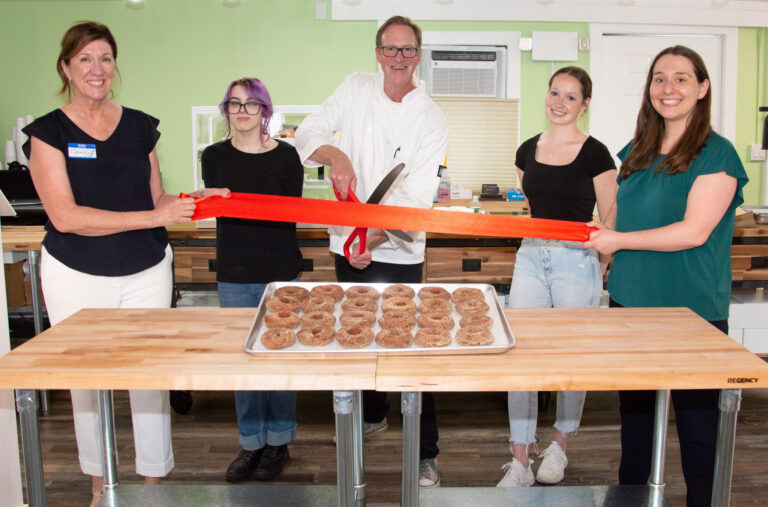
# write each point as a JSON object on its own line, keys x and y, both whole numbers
{"x": 748, "y": 321}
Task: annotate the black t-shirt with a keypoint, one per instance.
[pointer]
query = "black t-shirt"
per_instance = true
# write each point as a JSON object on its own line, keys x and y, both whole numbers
{"x": 563, "y": 192}
{"x": 111, "y": 175}
{"x": 255, "y": 251}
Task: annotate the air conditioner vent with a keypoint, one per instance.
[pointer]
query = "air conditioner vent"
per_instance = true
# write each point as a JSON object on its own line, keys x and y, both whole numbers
{"x": 464, "y": 71}
{"x": 465, "y": 56}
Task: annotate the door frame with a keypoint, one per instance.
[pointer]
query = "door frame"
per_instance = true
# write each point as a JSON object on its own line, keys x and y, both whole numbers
{"x": 601, "y": 78}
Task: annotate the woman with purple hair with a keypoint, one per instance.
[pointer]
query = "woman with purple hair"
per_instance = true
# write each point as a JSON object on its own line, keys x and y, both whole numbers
{"x": 252, "y": 253}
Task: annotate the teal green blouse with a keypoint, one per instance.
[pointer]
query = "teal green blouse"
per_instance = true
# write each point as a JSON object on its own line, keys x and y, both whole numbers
{"x": 698, "y": 278}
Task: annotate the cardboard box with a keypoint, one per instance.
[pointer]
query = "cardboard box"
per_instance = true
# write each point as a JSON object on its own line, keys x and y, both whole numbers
{"x": 18, "y": 290}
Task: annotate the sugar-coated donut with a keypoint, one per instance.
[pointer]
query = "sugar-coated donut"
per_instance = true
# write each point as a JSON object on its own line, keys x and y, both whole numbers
{"x": 357, "y": 291}
{"x": 318, "y": 304}
{"x": 465, "y": 293}
{"x": 355, "y": 337}
{"x": 394, "y": 338}
{"x": 313, "y": 319}
{"x": 293, "y": 291}
{"x": 278, "y": 338}
{"x": 433, "y": 337}
{"x": 470, "y": 306}
{"x": 279, "y": 303}
{"x": 469, "y": 336}
{"x": 397, "y": 319}
{"x": 283, "y": 318}
{"x": 316, "y": 335}
{"x": 360, "y": 303}
{"x": 436, "y": 319}
{"x": 354, "y": 318}
{"x": 433, "y": 291}
{"x": 476, "y": 320}
{"x": 430, "y": 305}
{"x": 398, "y": 290}
{"x": 334, "y": 292}
{"x": 398, "y": 304}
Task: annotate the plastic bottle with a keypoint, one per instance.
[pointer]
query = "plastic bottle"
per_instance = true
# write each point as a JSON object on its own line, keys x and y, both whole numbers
{"x": 475, "y": 204}
{"x": 444, "y": 188}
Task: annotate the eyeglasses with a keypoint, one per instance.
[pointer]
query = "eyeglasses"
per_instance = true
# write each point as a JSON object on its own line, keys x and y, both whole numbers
{"x": 250, "y": 107}
{"x": 391, "y": 51}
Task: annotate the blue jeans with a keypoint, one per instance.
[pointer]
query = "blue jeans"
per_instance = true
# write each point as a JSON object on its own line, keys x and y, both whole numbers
{"x": 551, "y": 274}
{"x": 263, "y": 417}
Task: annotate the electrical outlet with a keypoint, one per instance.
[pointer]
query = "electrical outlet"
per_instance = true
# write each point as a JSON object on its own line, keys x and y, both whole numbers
{"x": 758, "y": 153}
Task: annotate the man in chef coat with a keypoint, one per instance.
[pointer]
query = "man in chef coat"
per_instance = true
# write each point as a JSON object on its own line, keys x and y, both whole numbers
{"x": 383, "y": 119}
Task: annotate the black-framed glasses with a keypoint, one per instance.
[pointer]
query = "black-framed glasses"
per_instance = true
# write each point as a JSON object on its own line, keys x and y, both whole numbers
{"x": 391, "y": 51}
{"x": 234, "y": 107}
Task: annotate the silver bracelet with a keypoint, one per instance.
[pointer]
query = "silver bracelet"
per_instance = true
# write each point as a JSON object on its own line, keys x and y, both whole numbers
{"x": 125, "y": 226}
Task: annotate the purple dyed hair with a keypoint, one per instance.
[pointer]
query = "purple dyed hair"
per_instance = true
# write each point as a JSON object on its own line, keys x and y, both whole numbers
{"x": 255, "y": 90}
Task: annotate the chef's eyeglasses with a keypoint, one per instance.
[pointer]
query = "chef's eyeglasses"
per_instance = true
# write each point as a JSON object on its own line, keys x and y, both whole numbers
{"x": 391, "y": 51}
{"x": 250, "y": 107}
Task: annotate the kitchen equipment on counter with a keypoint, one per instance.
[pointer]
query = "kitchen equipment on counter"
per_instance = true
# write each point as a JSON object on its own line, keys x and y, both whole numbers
{"x": 760, "y": 213}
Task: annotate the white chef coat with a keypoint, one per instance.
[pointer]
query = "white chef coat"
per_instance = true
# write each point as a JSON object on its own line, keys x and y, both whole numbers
{"x": 377, "y": 134}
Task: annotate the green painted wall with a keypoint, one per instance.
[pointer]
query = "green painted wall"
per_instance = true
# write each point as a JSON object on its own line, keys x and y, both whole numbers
{"x": 174, "y": 54}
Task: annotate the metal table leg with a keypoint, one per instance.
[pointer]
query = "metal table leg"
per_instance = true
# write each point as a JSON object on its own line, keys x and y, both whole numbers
{"x": 109, "y": 449}
{"x": 411, "y": 409}
{"x": 33, "y": 256}
{"x": 26, "y": 406}
{"x": 660, "y": 424}
{"x": 730, "y": 403}
{"x": 343, "y": 407}
{"x": 357, "y": 448}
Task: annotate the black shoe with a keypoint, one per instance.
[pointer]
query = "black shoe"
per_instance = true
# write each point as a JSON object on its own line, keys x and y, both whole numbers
{"x": 272, "y": 462}
{"x": 244, "y": 465}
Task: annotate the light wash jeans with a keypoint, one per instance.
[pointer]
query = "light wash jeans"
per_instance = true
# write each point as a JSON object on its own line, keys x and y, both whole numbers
{"x": 551, "y": 274}
{"x": 263, "y": 417}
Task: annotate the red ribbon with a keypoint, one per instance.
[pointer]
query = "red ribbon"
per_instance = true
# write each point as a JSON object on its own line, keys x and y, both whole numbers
{"x": 357, "y": 214}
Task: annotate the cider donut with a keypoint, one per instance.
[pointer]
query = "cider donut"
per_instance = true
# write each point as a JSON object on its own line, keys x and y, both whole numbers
{"x": 280, "y": 303}
{"x": 314, "y": 319}
{"x": 434, "y": 292}
{"x": 398, "y": 304}
{"x": 397, "y": 319}
{"x": 398, "y": 290}
{"x": 476, "y": 320}
{"x": 436, "y": 319}
{"x": 433, "y": 337}
{"x": 469, "y": 336}
{"x": 318, "y": 304}
{"x": 316, "y": 335}
{"x": 293, "y": 291}
{"x": 394, "y": 338}
{"x": 354, "y": 318}
{"x": 430, "y": 305}
{"x": 334, "y": 292}
{"x": 465, "y": 293}
{"x": 355, "y": 337}
{"x": 360, "y": 303}
{"x": 278, "y": 338}
{"x": 472, "y": 306}
{"x": 283, "y": 318}
{"x": 357, "y": 291}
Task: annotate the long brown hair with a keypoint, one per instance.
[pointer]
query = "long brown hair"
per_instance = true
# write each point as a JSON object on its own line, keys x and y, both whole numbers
{"x": 75, "y": 39}
{"x": 649, "y": 132}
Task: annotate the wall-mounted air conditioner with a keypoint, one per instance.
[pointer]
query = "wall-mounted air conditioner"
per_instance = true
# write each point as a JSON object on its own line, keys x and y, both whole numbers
{"x": 464, "y": 71}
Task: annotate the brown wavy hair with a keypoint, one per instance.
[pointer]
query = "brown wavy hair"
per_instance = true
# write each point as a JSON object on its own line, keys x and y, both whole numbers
{"x": 649, "y": 132}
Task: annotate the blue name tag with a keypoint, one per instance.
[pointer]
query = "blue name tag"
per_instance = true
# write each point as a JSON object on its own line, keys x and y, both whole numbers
{"x": 76, "y": 150}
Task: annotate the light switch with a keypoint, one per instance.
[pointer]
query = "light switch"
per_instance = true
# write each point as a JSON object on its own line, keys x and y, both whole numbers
{"x": 758, "y": 153}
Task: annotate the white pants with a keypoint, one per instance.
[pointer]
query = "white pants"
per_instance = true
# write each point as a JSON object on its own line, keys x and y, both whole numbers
{"x": 66, "y": 291}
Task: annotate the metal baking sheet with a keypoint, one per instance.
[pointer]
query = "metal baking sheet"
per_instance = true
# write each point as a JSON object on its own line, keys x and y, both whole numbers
{"x": 503, "y": 337}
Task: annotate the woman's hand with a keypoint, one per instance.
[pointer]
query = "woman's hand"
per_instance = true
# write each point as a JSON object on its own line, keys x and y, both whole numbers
{"x": 606, "y": 241}
{"x": 174, "y": 211}
{"x": 209, "y": 192}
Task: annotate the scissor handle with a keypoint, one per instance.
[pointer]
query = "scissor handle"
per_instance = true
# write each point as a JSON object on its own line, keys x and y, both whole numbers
{"x": 360, "y": 233}
{"x": 351, "y": 197}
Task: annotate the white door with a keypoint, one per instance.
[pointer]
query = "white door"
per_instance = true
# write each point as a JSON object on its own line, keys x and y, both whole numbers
{"x": 619, "y": 65}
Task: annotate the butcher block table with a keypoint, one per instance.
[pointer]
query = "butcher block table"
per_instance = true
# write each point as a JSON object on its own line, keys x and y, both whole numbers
{"x": 577, "y": 349}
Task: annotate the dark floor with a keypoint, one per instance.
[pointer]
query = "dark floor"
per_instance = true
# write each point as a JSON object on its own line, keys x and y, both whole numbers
{"x": 473, "y": 445}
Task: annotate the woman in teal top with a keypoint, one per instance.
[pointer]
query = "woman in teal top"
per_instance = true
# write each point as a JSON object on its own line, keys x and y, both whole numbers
{"x": 679, "y": 186}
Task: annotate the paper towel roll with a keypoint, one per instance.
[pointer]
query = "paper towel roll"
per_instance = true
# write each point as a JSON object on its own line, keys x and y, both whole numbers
{"x": 10, "y": 152}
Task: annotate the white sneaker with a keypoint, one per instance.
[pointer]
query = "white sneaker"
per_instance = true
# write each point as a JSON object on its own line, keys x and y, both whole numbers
{"x": 429, "y": 475}
{"x": 553, "y": 463}
{"x": 516, "y": 476}
{"x": 373, "y": 429}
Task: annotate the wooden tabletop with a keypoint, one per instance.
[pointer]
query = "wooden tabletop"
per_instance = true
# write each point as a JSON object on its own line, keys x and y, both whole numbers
{"x": 182, "y": 348}
{"x": 202, "y": 349}
{"x": 589, "y": 349}
{"x": 21, "y": 238}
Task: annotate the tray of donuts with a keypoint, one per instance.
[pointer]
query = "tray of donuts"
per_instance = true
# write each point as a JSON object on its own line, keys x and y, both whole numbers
{"x": 378, "y": 318}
